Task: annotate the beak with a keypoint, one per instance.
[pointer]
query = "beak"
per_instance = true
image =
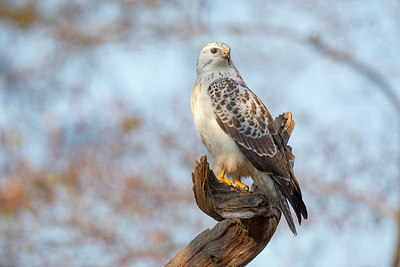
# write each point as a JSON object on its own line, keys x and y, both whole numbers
{"x": 227, "y": 55}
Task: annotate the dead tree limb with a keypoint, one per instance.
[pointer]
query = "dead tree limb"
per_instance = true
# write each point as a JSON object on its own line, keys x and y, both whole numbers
{"x": 247, "y": 219}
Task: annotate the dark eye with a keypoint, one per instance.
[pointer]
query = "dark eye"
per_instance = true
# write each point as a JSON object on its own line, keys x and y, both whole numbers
{"x": 214, "y": 50}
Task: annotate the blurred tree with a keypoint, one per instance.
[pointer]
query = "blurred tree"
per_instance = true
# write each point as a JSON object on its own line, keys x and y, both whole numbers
{"x": 85, "y": 133}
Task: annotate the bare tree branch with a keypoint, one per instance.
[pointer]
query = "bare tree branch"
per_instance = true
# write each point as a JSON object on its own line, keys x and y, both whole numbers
{"x": 248, "y": 219}
{"x": 232, "y": 242}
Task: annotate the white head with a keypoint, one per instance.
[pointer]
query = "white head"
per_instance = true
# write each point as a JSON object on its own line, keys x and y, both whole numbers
{"x": 213, "y": 56}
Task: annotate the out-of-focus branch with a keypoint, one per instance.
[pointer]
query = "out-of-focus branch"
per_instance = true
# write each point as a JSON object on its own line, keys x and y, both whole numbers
{"x": 364, "y": 69}
{"x": 325, "y": 50}
{"x": 28, "y": 15}
{"x": 64, "y": 28}
{"x": 373, "y": 201}
{"x": 25, "y": 17}
{"x": 387, "y": 90}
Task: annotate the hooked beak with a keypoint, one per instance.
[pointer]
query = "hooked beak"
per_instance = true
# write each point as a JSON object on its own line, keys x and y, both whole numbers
{"x": 227, "y": 55}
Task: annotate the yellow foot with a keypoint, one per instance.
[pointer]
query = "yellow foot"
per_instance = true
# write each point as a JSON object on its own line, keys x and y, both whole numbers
{"x": 241, "y": 185}
{"x": 221, "y": 173}
{"x": 222, "y": 179}
{"x": 225, "y": 180}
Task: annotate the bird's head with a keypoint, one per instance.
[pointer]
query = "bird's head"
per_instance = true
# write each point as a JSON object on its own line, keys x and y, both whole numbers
{"x": 213, "y": 56}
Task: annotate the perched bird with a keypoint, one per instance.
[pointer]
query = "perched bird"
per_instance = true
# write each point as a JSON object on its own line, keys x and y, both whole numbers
{"x": 239, "y": 132}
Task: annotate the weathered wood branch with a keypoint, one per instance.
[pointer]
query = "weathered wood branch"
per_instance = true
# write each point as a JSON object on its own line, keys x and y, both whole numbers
{"x": 232, "y": 242}
{"x": 248, "y": 219}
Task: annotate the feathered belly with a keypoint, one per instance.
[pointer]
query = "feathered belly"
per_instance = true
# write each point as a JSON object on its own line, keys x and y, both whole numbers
{"x": 221, "y": 146}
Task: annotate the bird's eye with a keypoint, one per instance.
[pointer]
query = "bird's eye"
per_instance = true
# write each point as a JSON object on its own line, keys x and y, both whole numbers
{"x": 214, "y": 50}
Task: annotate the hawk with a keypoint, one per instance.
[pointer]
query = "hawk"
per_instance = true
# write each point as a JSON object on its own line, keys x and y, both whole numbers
{"x": 239, "y": 132}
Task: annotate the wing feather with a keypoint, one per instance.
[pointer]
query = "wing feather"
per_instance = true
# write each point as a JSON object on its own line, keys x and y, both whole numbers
{"x": 244, "y": 117}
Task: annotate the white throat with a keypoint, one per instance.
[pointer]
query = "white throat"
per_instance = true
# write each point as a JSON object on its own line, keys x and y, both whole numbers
{"x": 219, "y": 73}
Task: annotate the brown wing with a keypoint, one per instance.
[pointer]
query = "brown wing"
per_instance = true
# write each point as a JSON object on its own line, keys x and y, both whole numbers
{"x": 244, "y": 117}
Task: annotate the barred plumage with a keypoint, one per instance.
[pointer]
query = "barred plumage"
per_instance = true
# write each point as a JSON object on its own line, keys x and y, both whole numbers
{"x": 239, "y": 132}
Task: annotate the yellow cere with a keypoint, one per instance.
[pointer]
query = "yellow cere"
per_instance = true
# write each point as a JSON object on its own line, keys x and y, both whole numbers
{"x": 225, "y": 52}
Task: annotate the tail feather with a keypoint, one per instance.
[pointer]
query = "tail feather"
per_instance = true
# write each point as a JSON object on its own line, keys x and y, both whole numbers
{"x": 284, "y": 206}
{"x": 291, "y": 192}
{"x": 283, "y": 190}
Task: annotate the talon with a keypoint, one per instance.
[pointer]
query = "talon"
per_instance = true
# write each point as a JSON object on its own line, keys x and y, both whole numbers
{"x": 241, "y": 185}
{"x": 226, "y": 181}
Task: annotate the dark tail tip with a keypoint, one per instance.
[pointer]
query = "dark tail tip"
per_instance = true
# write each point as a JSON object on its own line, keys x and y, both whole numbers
{"x": 301, "y": 210}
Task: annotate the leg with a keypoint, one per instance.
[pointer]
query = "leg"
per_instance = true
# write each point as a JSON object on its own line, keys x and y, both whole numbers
{"x": 221, "y": 177}
{"x": 221, "y": 173}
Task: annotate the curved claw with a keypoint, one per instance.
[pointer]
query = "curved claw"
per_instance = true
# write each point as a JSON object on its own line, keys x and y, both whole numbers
{"x": 225, "y": 180}
{"x": 241, "y": 185}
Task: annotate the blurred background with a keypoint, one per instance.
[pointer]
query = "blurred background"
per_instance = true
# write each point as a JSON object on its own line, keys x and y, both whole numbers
{"x": 97, "y": 143}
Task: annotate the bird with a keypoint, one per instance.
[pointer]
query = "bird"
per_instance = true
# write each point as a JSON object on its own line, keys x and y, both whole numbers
{"x": 238, "y": 131}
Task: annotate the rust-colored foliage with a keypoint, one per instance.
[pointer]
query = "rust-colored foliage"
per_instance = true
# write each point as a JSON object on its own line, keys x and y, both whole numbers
{"x": 85, "y": 171}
